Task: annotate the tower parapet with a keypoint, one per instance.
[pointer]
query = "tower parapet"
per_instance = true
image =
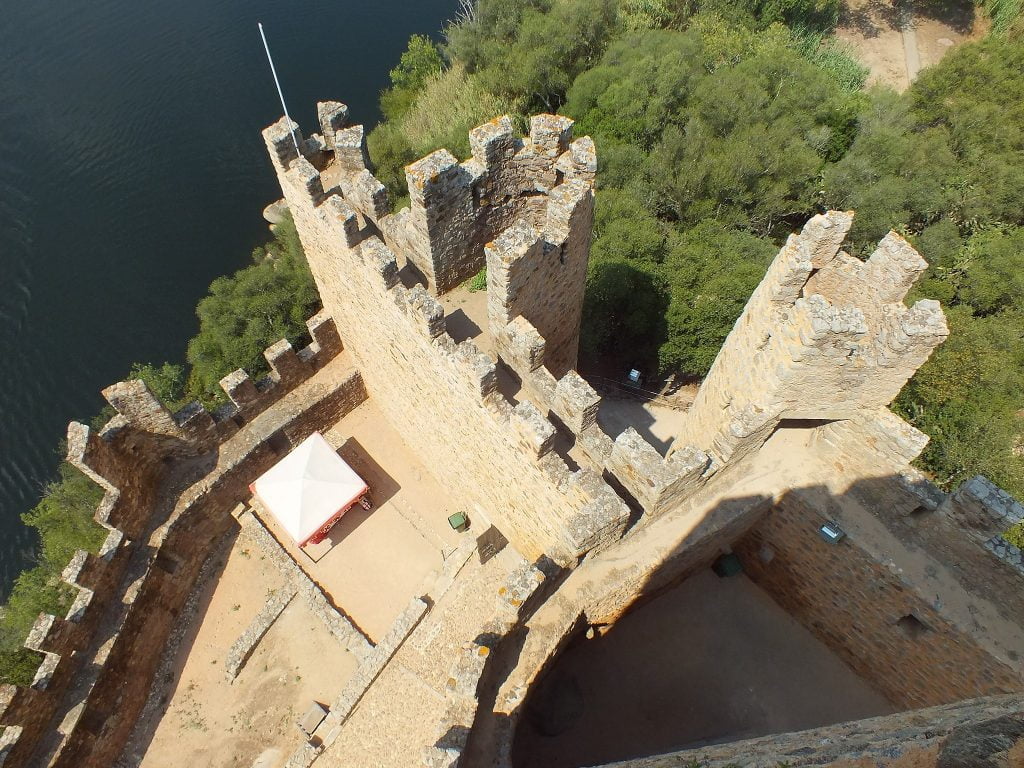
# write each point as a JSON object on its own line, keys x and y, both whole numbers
{"x": 824, "y": 336}
{"x": 455, "y": 208}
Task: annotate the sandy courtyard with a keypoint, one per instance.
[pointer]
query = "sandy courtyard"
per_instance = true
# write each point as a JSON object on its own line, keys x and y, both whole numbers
{"x": 212, "y": 722}
{"x": 373, "y": 562}
{"x": 712, "y": 660}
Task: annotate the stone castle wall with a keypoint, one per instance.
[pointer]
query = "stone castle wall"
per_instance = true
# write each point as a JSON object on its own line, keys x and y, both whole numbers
{"x": 824, "y": 336}
{"x": 872, "y": 614}
{"x": 539, "y": 275}
{"x": 494, "y": 456}
{"x": 824, "y": 343}
{"x": 961, "y": 734}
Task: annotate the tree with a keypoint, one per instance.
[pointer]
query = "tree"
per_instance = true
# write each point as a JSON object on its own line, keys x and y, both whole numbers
{"x": 711, "y": 271}
{"x": 968, "y": 399}
{"x": 749, "y": 145}
{"x": 167, "y": 382}
{"x": 896, "y": 175}
{"x": 247, "y": 312}
{"x": 623, "y": 314}
{"x": 976, "y": 95}
{"x": 64, "y": 520}
{"x": 420, "y": 61}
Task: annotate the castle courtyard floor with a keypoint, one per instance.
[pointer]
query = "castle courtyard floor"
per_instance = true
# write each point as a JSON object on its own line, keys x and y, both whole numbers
{"x": 372, "y": 565}
{"x": 713, "y": 660}
{"x": 374, "y": 562}
{"x": 209, "y": 721}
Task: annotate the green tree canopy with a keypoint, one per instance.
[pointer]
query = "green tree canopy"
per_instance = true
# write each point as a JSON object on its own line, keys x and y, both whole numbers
{"x": 249, "y": 311}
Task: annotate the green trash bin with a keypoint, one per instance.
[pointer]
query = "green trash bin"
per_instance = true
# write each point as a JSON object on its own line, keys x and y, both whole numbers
{"x": 727, "y": 565}
{"x": 459, "y": 522}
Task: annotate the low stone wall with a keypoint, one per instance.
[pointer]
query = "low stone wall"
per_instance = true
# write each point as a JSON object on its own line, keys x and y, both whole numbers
{"x": 369, "y": 670}
{"x": 909, "y": 740}
{"x": 462, "y": 692}
{"x": 243, "y": 647}
{"x": 338, "y": 624}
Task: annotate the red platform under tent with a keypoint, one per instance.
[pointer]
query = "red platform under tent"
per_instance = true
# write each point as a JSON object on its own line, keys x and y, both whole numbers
{"x": 309, "y": 490}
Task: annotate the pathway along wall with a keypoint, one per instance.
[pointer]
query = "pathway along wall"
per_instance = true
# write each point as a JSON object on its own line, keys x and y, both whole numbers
{"x": 170, "y": 481}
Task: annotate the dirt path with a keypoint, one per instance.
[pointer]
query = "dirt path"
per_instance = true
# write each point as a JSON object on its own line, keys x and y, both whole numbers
{"x": 209, "y": 721}
{"x": 896, "y": 40}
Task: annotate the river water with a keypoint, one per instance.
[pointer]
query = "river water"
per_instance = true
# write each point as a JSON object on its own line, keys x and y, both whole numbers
{"x": 132, "y": 172}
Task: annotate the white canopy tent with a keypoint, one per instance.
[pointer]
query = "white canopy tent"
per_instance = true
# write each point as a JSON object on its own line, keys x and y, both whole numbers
{"x": 309, "y": 490}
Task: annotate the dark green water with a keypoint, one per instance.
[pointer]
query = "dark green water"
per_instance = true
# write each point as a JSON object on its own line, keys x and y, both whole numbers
{"x": 132, "y": 172}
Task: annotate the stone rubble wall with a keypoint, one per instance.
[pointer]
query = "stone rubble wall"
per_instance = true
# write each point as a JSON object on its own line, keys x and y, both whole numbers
{"x": 914, "y": 738}
{"x": 27, "y": 713}
{"x": 126, "y": 597}
{"x": 859, "y": 605}
{"x": 246, "y": 643}
{"x": 369, "y": 670}
{"x": 442, "y": 396}
{"x": 338, "y": 623}
{"x": 459, "y": 212}
{"x": 174, "y": 555}
{"x": 824, "y": 336}
{"x": 983, "y": 510}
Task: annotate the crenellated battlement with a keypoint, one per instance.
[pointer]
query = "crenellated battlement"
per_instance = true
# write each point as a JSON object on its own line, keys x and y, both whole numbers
{"x": 455, "y": 208}
{"x": 129, "y": 459}
{"x": 517, "y": 438}
{"x": 458, "y": 209}
{"x": 823, "y": 337}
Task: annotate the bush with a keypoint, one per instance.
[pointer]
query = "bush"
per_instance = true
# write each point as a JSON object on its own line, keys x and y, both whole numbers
{"x": 1005, "y": 14}
{"x": 477, "y": 282}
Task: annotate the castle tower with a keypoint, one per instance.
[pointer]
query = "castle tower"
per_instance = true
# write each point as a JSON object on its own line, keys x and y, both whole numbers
{"x": 521, "y": 206}
{"x": 824, "y": 336}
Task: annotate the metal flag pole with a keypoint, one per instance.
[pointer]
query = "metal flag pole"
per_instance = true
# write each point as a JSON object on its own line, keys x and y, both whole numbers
{"x": 284, "y": 106}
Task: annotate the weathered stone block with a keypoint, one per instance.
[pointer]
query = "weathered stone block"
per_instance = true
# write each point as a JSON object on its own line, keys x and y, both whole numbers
{"x": 521, "y": 346}
{"x": 535, "y": 432}
{"x": 285, "y": 364}
{"x": 325, "y": 335}
{"x": 240, "y": 389}
{"x": 333, "y": 116}
{"x": 135, "y": 401}
{"x": 550, "y": 134}
{"x": 575, "y": 403}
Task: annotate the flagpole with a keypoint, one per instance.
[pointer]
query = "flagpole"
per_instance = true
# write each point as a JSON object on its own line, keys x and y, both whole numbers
{"x": 279, "y": 92}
